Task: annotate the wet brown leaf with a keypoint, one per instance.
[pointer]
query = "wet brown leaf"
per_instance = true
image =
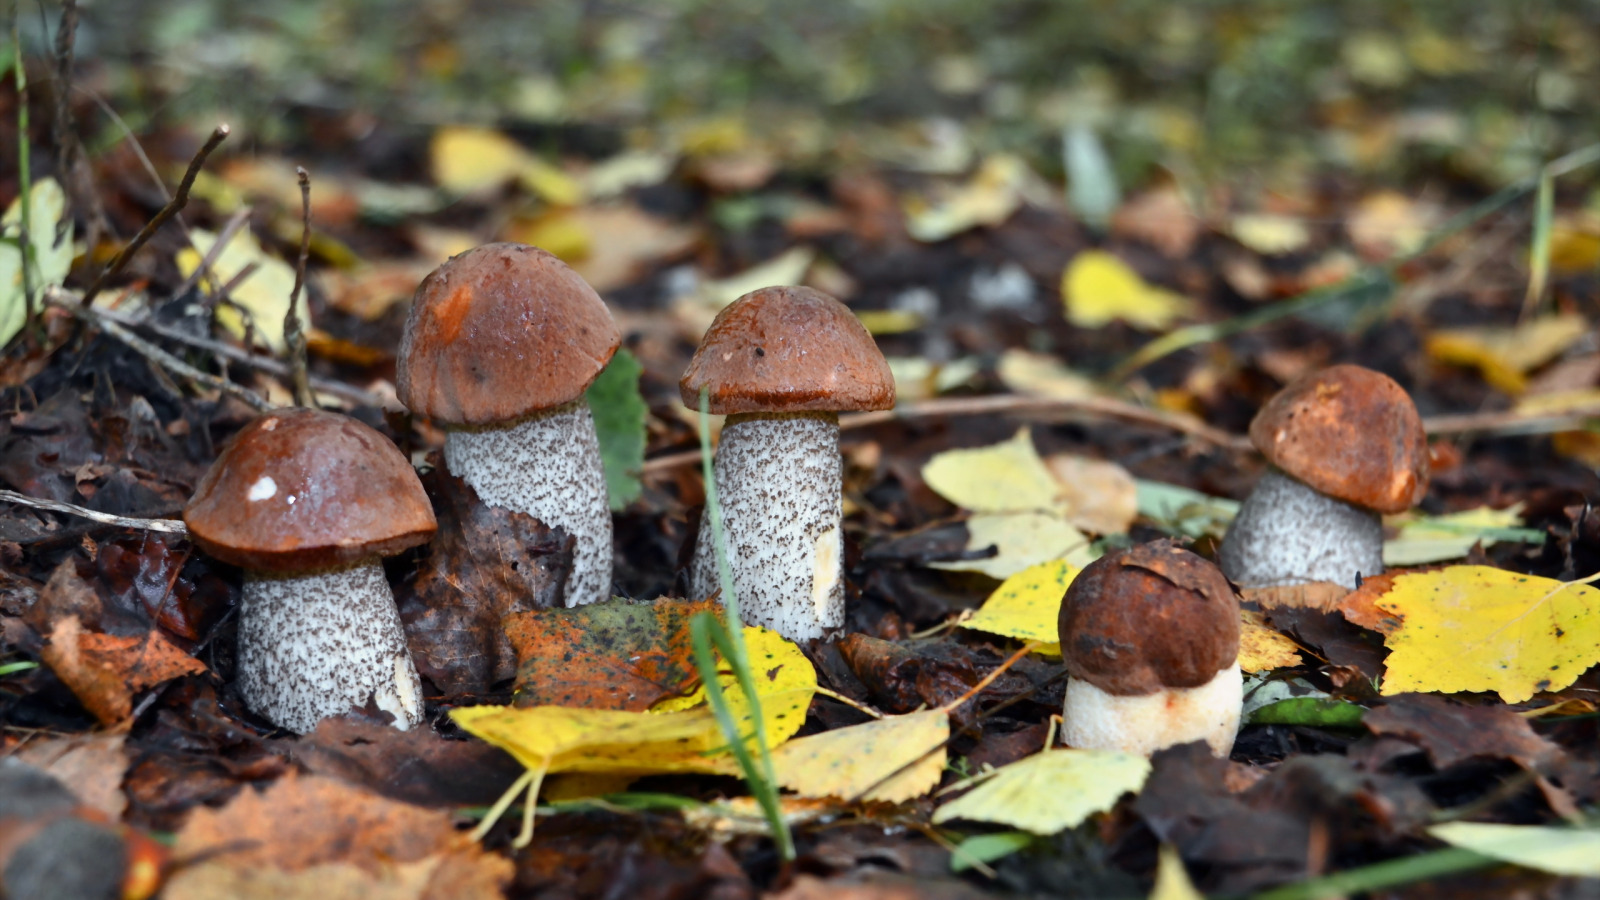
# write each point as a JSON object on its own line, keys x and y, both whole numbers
{"x": 104, "y": 671}
{"x": 1452, "y": 732}
{"x": 416, "y": 766}
{"x": 614, "y": 655}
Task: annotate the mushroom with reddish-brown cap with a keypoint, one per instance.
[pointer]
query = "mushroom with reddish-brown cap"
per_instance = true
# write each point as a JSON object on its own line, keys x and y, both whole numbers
{"x": 1345, "y": 445}
{"x": 307, "y": 503}
{"x": 501, "y": 343}
{"x": 1150, "y": 638}
{"x": 782, "y": 363}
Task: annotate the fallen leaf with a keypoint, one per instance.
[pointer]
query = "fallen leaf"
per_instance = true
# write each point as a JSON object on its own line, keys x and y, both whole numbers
{"x": 1172, "y": 879}
{"x": 370, "y": 291}
{"x": 1388, "y": 223}
{"x": 990, "y": 197}
{"x": 1270, "y": 234}
{"x": 1161, "y": 218}
{"x": 1020, "y": 540}
{"x": 1262, "y": 649}
{"x": 469, "y": 161}
{"x": 683, "y": 740}
{"x": 330, "y": 881}
{"x": 1099, "y": 288}
{"x": 1453, "y": 732}
{"x": 1041, "y": 375}
{"x": 1027, "y": 605}
{"x": 1426, "y": 539}
{"x": 264, "y": 295}
{"x": 306, "y": 823}
{"x": 414, "y": 766}
{"x": 1505, "y": 356}
{"x": 633, "y": 240}
{"x": 51, "y": 246}
{"x": 619, "y": 422}
{"x": 1050, "y": 791}
{"x": 1319, "y": 595}
{"x": 1101, "y": 494}
{"x": 1573, "y": 852}
{"x": 1477, "y": 628}
{"x": 617, "y": 654}
{"x": 1004, "y": 477}
{"x": 1575, "y": 243}
{"x": 89, "y": 765}
{"x": 846, "y": 761}
{"x": 1185, "y": 510}
{"x": 104, "y": 670}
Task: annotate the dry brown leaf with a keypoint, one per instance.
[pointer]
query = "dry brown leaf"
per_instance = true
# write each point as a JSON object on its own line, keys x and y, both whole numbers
{"x": 1318, "y": 595}
{"x": 1161, "y": 218}
{"x": 104, "y": 670}
{"x": 1102, "y": 495}
{"x": 89, "y": 765}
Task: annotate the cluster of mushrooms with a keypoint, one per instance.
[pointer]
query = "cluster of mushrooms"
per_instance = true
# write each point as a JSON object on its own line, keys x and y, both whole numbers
{"x": 308, "y": 502}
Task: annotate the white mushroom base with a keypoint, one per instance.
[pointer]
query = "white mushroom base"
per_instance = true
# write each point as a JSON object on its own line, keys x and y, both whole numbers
{"x": 1288, "y": 533}
{"x": 778, "y": 487}
{"x": 1095, "y": 720}
{"x": 548, "y": 466}
{"x": 323, "y": 643}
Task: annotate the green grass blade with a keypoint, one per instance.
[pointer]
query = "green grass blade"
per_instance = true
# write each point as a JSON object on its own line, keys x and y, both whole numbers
{"x": 1389, "y": 873}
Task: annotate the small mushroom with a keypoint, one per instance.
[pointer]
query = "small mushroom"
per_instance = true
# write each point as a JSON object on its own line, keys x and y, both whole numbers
{"x": 501, "y": 344}
{"x": 1150, "y": 638}
{"x": 1345, "y": 444}
{"x": 781, "y": 363}
{"x": 307, "y": 503}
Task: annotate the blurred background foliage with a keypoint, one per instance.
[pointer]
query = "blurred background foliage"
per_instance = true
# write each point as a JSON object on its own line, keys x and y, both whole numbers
{"x": 1212, "y": 91}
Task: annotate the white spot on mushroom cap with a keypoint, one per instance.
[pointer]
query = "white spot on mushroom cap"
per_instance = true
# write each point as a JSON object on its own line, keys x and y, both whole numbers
{"x": 270, "y": 424}
{"x": 264, "y": 489}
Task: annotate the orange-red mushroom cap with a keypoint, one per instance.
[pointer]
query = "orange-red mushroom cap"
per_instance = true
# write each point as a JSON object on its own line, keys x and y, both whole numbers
{"x": 500, "y": 332}
{"x": 788, "y": 349}
{"x": 302, "y": 489}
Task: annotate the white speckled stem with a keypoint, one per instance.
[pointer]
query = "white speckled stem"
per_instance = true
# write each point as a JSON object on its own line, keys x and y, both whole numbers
{"x": 1288, "y": 533}
{"x": 548, "y": 466}
{"x": 1095, "y": 720}
{"x": 778, "y": 485}
{"x": 322, "y": 644}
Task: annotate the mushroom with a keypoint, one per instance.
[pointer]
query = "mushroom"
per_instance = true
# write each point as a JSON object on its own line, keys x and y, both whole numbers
{"x": 307, "y": 503}
{"x": 781, "y": 362}
{"x": 501, "y": 344}
{"x": 1150, "y": 638}
{"x": 1345, "y": 444}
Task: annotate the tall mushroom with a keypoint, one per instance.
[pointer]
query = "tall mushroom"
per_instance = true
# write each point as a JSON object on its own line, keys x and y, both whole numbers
{"x": 1150, "y": 638}
{"x": 781, "y": 363}
{"x": 501, "y": 344}
{"x": 1345, "y": 444}
{"x": 307, "y": 503}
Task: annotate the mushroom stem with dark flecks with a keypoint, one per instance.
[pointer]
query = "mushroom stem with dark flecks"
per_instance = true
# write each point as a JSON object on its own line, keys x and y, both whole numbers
{"x": 307, "y": 503}
{"x": 501, "y": 343}
{"x": 781, "y": 362}
{"x": 1345, "y": 444}
{"x": 1150, "y": 638}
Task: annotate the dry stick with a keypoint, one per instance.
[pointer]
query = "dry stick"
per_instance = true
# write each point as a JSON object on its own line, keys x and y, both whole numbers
{"x": 71, "y": 160}
{"x": 223, "y": 238}
{"x": 89, "y": 316}
{"x": 170, "y": 526}
{"x": 245, "y": 358}
{"x": 178, "y": 201}
{"x": 294, "y": 334}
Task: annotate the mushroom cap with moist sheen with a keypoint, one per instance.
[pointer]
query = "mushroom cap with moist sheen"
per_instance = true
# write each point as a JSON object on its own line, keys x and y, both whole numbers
{"x": 1149, "y": 617}
{"x": 500, "y": 332}
{"x": 788, "y": 349}
{"x": 1350, "y": 433}
{"x": 301, "y": 489}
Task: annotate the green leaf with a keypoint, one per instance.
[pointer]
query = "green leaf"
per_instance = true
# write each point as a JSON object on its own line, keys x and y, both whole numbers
{"x": 619, "y": 414}
{"x": 49, "y": 256}
{"x": 986, "y": 848}
{"x": 1318, "y": 712}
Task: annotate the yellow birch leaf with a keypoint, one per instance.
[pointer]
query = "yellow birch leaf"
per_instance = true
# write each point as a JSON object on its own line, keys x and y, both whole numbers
{"x": 474, "y": 160}
{"x": 1098, "y": 288}
{"x": 1505, "y": 356}
{"x": 1172, "y": 879}
{"x": 550, "y": 183}
{"x": 1004, "y": 477}
{"x": 846, "y": 761}
{"x": 1050, "y": 791}
{"x": 1477, "y": 628}
{"x": 1026, "y": 605}
{"x": 264, "y": 294}
{"x": 1270, "y": 234}
{"x": 1021, "y": 540}
{"x": 681, "y": 740}
{"x": 1560, "y": 851}
{"x": 1260, "y": 648}
{"x": 989, "y": 198}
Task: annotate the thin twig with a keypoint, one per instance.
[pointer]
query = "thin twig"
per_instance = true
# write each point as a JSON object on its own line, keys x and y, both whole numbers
{"x": 294, "y": 333}
{"x": 170, "y": 526}
{"x": 89, "y": 316}
{"x": 70, "y": 157}
{"x": 218, "y": 244}
{"x": 178, "y": 201}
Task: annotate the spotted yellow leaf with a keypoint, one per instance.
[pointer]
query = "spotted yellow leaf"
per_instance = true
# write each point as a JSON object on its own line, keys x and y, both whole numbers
{"x": 1260, "y": 648}
{"x": 1098, "y": 288}
{"x": 1026, "y": 605}
{"x": 1477, "y": 628}
{"x": 1050, "y": 791}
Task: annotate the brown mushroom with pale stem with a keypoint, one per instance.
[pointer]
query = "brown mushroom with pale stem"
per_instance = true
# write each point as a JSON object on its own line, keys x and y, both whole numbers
{"x": 781, "y": 363}
{"x": 1345, "y": 445}
{"x": 501, "y": 344}
{"x": 1150, "y": 638}
{"x": 307, "y": 503}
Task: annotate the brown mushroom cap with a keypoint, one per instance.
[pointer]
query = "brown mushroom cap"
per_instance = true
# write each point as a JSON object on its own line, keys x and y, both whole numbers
{"x": 1350, "y": 433}
{"x": 302, "y": 489}
{"x": 499, "y": 332}
{"x": 1149, "y": 617}
{"x": 788, "y": 349}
